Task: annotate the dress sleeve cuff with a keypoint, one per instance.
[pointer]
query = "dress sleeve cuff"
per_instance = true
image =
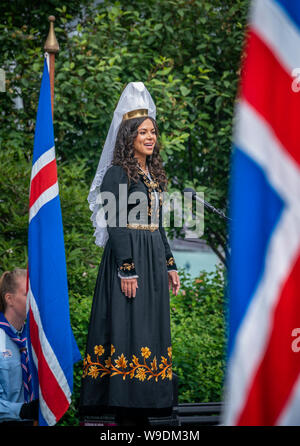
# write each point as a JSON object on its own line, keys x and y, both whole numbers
{"x": 127, "y": 277}
{"x": 171, "y": 265}
{"x": 127, "y": 269}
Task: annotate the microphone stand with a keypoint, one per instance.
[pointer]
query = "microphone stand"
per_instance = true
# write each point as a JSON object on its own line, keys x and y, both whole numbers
{"x": 212, "y": 209}
{"x": 206, "y": 204}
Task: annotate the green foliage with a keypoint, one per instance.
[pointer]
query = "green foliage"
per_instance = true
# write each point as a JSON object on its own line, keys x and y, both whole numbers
{"x": 14, "y": 187}
{"x": 198, "y": 337}
{"x": 196, "y": 313}
{"x": 187, "y": 52}
{"x": 80, "y": 308}
{"x": 82, "y": 255}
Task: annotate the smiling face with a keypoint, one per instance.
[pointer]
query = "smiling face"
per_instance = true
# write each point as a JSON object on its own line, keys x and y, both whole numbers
{"x": 146, "y": 138}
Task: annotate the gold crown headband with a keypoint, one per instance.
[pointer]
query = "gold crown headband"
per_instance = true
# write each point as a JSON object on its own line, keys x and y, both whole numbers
{"x": 136, "y": 114}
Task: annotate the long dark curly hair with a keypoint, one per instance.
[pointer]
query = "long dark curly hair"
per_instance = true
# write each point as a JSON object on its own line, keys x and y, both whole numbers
{"x": 124, "y": 152}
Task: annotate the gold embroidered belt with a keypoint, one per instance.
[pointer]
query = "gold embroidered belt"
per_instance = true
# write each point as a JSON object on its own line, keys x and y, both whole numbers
{"x": 152, "y": 227}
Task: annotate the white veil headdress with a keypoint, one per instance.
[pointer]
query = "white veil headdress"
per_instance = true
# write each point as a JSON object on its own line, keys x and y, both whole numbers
{"x": 135, "y": 98}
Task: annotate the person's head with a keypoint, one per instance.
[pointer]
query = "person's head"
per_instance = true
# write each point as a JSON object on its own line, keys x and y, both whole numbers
{"x": 145, "y": 140}
{"x": 13, "y": 294}
{"x": 138, "y": 138}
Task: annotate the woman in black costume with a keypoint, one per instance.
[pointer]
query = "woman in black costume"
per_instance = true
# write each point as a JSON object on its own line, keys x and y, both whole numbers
{"x": 128, "y": 361}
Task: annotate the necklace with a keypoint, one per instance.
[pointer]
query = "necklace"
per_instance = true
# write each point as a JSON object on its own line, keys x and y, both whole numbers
{"x": 152, "y": 186}
{"x": 146, "y": 173}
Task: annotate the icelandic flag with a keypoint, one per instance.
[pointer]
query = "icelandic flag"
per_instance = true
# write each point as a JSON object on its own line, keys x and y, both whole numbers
{"x": 262, "y": 383}
{"x": 52, "y": 347}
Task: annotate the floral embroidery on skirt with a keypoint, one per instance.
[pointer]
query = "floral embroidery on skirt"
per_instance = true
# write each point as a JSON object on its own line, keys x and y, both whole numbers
{"x": 134, "y": 369}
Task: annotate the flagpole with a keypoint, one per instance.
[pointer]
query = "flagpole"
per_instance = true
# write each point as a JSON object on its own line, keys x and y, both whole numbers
{"x": 51, "y": 47}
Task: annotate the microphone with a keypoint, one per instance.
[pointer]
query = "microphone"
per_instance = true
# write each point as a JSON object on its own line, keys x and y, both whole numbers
{"x": 206, "y": 204}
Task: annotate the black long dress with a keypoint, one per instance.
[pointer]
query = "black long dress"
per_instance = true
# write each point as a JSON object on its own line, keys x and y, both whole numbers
{"x": 128, "y": 360}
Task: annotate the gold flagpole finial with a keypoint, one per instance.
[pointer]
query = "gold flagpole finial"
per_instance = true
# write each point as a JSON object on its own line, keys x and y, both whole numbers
{"x": 51, "y": 44}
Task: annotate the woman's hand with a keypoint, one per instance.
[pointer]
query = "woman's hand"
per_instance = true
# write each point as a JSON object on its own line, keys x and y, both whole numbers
{"x": 174, "y": 281}
{"x": 129, "y": 287}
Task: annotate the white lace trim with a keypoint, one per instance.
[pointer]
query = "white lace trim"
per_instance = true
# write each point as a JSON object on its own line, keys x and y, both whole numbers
{"x": 101, "y": 233}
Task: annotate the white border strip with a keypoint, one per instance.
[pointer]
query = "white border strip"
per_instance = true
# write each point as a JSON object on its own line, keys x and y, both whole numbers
{"x": 257, "y": 140}
{"x": 47, "y": 56}
{"x": 46, "y": 158}
{"x": 46, "y": 412}
{"x": 44, "y": 198}
{"x": 291, "y": 414}
{"x": 47, "y": 349}
{"x": 274, "y": 26}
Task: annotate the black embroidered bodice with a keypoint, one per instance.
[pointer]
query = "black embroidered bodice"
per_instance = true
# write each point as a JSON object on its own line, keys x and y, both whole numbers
{"x": 118, "y": 234}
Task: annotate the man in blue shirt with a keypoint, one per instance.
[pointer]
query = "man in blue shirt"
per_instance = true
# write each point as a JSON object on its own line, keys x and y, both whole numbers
{"x": 13, "y": 407}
